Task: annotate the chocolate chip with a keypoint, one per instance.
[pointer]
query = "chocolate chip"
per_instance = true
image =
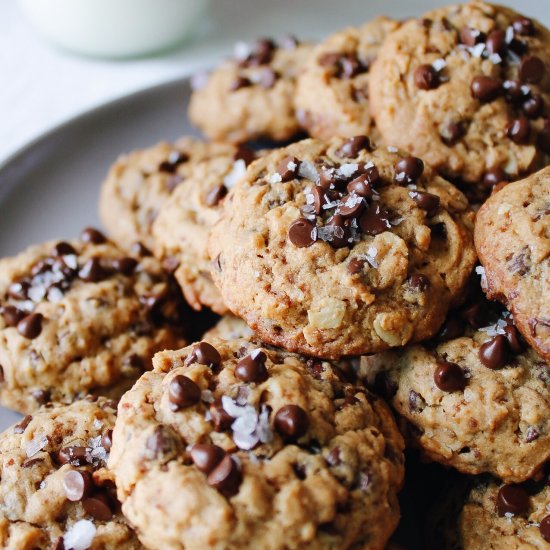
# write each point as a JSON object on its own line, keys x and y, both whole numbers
{"x": 351, "y": 66}
{"x": 75, "y": 455}
{"x": 512, "y": 499}
{"x": 41, "y": 396}
{"x": 77, "y": 485}
{"x": 206, "y": 456}
{"x": 544, "y": 528}
{"x": 301, "y": 233}
{"x": 532, "y": 434}
{"x": 261, "y": 54}
{"x": 31, "y": 325}
{"x": 63, "y": 248}
{"x": 319, "y": 199}
{"x": 221, "y": 419}
{"x": 452, "y": 132}
{"x": 291, "y": 421}
{"x": 496, "y": 42}
{"x": 543, "y": 139}
{"x": 92, "y": 271}
{"x": 361, "y": 186}
{"x": 288, "y": 168}
{"x": 351, "y": 205}
{"x": 452, "y": 328}
{"x": 58, "y": 544}
{"x": 238, "y": 83}
{"x": 513, "y": 91}
{"x": 531, "y": 69}
{"x": 408, "y": 170}
{"x": 175, "y": 158}
{"x": 19, "y": 290}
{"x": 246, "y": 154}
{"x": 495, "y": 353}
{"x": 449, "y": 377}
{"x": 493, "y": 176}
{"x": 183, "y": 393}
{"x": 92, "y": 235}
{"x": 375, "y": 220}
{"x": 340, "y": 231}
{"x": 140, "y": 249}
{"x": 470, "y": 37}
{"x": 215, "y": 195}
{"x": 107, "y": 440}
{"x": 98, "y": 507}
{"x": 524, "y": 26}
{"x": 416, "y": 402}
{"x": 251, "y": 368}
{"x": 518, "y": 130}
{"x": 511, "y": 334}
{"x": 226, "y": 477}
{"x": 475, "y": 314}
{"x": 356, "y": 265}
{"x": 22, "y": 426}
{"x": 160, "y": 442}
{"x": 426, "y": 77}
{"x": 419, "y": 282}
{"x": 12, "y": 315}
{"x": 204, "y": 354}
{"x": 427, "y": 201}
{"x": 353, "y": 146}
{"x": 268, "y": 77}
{"x": 30, "y": 462}
{"x": 486, "y": 88}
{"x": 533, "y": 106}
{"x": 126, "y": 265}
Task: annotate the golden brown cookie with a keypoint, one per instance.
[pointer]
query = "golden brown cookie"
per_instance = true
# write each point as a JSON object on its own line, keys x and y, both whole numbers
{"x": 229, "y": 327}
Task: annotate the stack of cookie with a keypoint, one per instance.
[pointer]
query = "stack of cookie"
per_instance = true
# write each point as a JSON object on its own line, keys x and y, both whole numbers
{"x": 364, "y": 305}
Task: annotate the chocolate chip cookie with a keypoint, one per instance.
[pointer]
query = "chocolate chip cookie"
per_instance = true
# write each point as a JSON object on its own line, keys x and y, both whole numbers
{"x": 334, "y": 248}
{"x": 228, "y": 327}
{"x": 236, "y": 445}
{"x": 332, "y": 96}
{"x": 180, "y": 232}
{"x": 55, "y": 492}
{"x": 513, "y": 241}
{"x": 81, "y": 316}
{"x": 467, "y": 88}
{"x": 476, "y": 399}
{"x": 139, "y": 183}
{"x": 251, "y": 95}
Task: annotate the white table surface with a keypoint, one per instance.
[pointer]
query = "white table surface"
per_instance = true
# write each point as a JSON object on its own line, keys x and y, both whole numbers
{"x": 41, "y": 86}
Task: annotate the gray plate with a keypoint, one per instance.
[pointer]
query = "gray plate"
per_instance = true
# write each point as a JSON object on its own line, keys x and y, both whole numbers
{"x": 50, "y": 188}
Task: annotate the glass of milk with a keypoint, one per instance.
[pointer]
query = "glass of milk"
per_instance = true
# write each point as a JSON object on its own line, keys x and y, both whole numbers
{"x": 114, "y": 28}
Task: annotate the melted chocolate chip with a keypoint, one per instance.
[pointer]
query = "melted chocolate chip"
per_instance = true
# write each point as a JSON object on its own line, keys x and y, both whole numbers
{"x": 524, "y": 26}
{"x": 126, "y": 265}
{"x": 206, "y": 456}
{"x": 221, "y": 419}
{"x": 183, "y": 393}
{"x": 426, "y": 77}
{"x": 511, "y": 334}
{"x": 291, "y": 421}
{"x": 512, "y": 499}
{"x": 531, "y": 69}
{"x": 77, "y": 485}
{"x": 63, "y": 248}
{"x": 205, "y": 354}
{"x": 246, "y": 154}
{"x": 92, "y": 271}
{"x": 495, "y": 353}
{"x": 225, "y": 477}
{"x": 251, "y": 368}
{"x": 486, "y": 88}
{"x": 12, "y": 315}
{"x": 375, "y": 220}
{"x": 408, "y": 170}
{"x": 92, "y": 235}
{"x": 449, "y": 377}
{"x": 353, "y": 146}
{"x": 301, "y": 233}
{"x": 427, "y": 201}
{"x": 518, "y": 130}
{"x": 215, "y": 195}
{"x": 544, "y": 528}
{"x": 175, "y": 158}
{"x": 30, "y": 326}
{"x": 41, "y": 396}
{"x": 288, "y": 168}
{"x": 22, "y": 426}
{"x": 452, "y": 328}
{"x": 98, "y": 507}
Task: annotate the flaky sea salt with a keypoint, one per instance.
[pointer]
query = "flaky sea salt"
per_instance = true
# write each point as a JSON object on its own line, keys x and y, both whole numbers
{"x": 439, "y": 64}
{"x": 36, "y": 445}
{"x": 207, "y": 396}
{"x": 347, "y": 169}
{"x": 478, "y": 49}
{"x": 237, "y": 172}
{"x": 80, "y": 536}
{"x": 371, "y": 257}
{"x": 249, "y": 427}
{"x": 392, "y": 149}
{"x": 480, "y": 270}
{"x": 307, "y": 170}
{"x": 275, "y": 178}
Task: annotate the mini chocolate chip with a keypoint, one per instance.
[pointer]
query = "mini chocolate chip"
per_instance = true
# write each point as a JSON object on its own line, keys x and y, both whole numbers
{"x": 12, "y": 315}
{"x": 261, "y": 54}
{"x": 360, "y": 186}
{"x": 351, "y": 206}
{"x": 98, "y": 507}
{"x": 251, "y": 368}
{"x": 92, "y": 271}
{"x": 518, "y": 130}
{"x": 225, "y": 477}
{"x": 493, "y": 176}
{"x": 268, "y": 77}
{"x": 31, "y": 325}
{"x": 356, "y": 265}
{"x": 288, "y": 168}
{"x": 452, "y": 328}
{"x": 238, "y": 83}
{"x": 427, "y": 201}
{"x": 512, "y": 499}
{"x": 291, "y": 421}
{"x": 340, "y": 234}
{"x": 486, "y": 88}
{"x": 183, "y": 393}
{"x": 449, "y": 377}
{"x": 215, "y": 195}
{"x": 531, "y": 69}
{"x": 19, "y": 290}
{"x": 511, "y": 334}
{"x": 107, "y": 440}
{"x": 544, "y": 528}
{"x": 419, "y": 282}
{"x": 204, "y": 354}
{"x": 140, "y": 249}
{"x": 513, "y": 91}
{"x": 301, "y": 233}
{"x": 126, "y": 265}
{"x": 41, "y": 396}
{"x": 221, "y": 419}
{"x": 543, "y": 139}
{"x": 92, "y": 235}
{"x": 408, "y": 170}
{"x": 22, "y": 426}
{"x": 353, "y": 146}
{"x": 426, "y": 77}
{"x": 77, "y": 485}
{"x": 74, "y": 455}
{"x": 206, "y": 456}
{"x": 63, "y": 248}
{"x": 319, "y": 199}
{"x": 495, "y": 353}
{"x": 375, "y": 220}
{"x": 246, "y": 154}
{"x": 524, "y": 26}
{"x": 496, "y": 42}
{"x": 452, "y": 132}
{"x": 533, "y": 106}
{"x": 470, "y": 37}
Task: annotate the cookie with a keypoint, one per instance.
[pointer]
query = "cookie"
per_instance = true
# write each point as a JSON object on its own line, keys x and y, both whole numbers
{"x": 81, "y": 317}
{"x": 500, "y": 516}
{"x": 477, "y": 399}
{"x": 180, "y": 232}
{"x": 513, "y": 242}
{"x": 139, "y": 183}
{"x": 55, "y": 492}
{"x": 228, "y": 327}
{"x": 236, "y": 445}
{"x": 251, "y": 95}
{"x": 332, "y": 96}
{"x": 467, "y": 88}
{"x": 333, "y": 249}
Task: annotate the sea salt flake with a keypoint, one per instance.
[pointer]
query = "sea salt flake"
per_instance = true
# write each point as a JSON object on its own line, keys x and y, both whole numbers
{"x": 392, "y": 149}
{"x": 55, "y": 295}
{"x": 509, "y": 34}
{"x": 480, "y": 270}
{"x": 36, "y": 445}
{"x": 80, "y": 536}
{"x": 478, "y": 49}
{"x": 241, "y": 50}
{"x": 207, "y": 396}
{"x": 495, "y": 58}
{"x": 237, "y": 172}
{"x": 347, "y": 169}
{"x": 36, "y": 293}
{"x": 314, "y": 234}
{"x": 439, "y": 64}
{"x": 291, "y": 165}
{"x": 275, "y": 178}
{"x": 310, "y": 199}
{"x": 71, "y": 261}
{"x": 307, "y": 170}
